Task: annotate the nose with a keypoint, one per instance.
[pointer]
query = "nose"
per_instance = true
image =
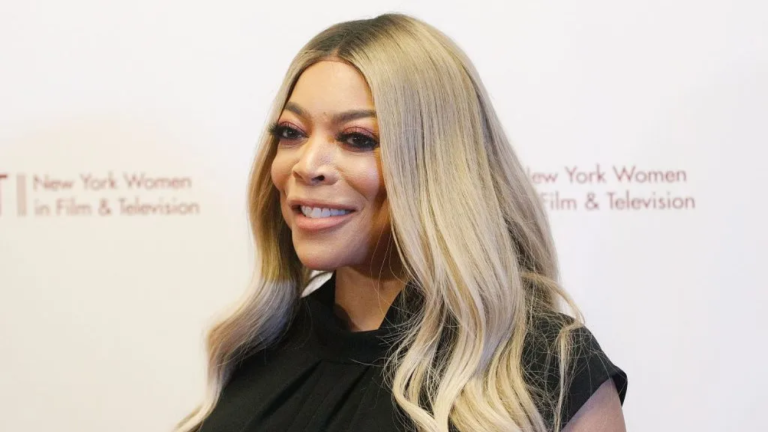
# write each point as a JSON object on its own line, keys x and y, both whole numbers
{"x": 315, "y": 164}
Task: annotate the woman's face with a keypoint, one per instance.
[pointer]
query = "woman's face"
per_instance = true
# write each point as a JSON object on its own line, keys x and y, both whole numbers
{"x": 328, "y": 170}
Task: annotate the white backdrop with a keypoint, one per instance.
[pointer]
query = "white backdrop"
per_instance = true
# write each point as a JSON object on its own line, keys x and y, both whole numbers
{"x": 156, "y": 106}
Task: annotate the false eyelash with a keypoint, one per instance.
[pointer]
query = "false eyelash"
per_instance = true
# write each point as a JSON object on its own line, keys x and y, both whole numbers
{"x": 272, "y": 129}
{"x": 276, "y": 130}
{"x": 343, "y": 137}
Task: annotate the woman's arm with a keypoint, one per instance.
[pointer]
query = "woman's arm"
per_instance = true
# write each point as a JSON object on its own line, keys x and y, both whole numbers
{"x": 601, "y": 413}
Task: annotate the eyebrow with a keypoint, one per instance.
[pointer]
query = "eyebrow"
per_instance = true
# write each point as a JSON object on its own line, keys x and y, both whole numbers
{"x": 337, "y": 118}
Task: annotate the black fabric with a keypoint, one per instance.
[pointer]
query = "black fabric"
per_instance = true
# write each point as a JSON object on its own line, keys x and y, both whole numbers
{"x": 589, "y": 366}
{"x": 323, "y": 377}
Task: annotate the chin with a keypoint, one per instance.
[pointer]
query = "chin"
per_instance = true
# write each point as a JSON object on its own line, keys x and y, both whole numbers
{"x": 318, "y": 260}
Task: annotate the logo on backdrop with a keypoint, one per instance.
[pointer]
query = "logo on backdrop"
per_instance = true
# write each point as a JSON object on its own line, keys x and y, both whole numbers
{"x": 570, "y": 188}
{"x": 90, "y": 194}
{"x": 615, "y": 188}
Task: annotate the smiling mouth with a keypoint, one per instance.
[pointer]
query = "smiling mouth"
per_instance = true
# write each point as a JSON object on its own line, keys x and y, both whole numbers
{"x": 319, "y": 220}
{"x": 320, "y": 212}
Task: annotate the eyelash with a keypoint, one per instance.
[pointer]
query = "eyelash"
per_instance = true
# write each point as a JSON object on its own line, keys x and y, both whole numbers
{"x": 278, "y": 132}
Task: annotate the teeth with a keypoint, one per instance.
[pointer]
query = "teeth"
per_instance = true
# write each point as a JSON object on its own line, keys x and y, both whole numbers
{"x": 319, "y": 212}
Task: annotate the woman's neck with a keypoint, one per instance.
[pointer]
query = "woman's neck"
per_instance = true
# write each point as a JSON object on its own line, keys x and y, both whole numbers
{"x": 362, "y": 300}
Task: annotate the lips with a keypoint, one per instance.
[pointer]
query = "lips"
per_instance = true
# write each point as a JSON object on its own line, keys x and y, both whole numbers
{"x": 308, "y": 224}
{"x": 296, "y": 203}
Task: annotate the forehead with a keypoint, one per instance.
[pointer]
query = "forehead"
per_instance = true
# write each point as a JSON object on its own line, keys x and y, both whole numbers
{"x": 330, "y": 86}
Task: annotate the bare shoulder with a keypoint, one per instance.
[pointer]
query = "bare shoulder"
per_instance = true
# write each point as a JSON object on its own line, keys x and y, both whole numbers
{"x": 601, "y": 413}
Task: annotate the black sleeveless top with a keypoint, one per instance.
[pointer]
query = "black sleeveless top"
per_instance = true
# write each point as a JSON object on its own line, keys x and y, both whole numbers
{"x": 323, "y": 377}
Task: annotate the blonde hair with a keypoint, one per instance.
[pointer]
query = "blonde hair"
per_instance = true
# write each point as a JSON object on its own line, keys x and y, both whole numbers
{"x": 467, "y": 224}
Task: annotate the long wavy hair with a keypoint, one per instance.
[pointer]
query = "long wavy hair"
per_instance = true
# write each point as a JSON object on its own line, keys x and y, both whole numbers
{"x": 466, "y": 222}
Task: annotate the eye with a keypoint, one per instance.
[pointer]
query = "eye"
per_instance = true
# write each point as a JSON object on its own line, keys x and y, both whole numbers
{"x": 285, "y": 132}
{"x": 358, "y": 140}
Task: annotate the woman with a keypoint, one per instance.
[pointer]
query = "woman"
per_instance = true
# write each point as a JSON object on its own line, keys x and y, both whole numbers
{"x": 386, "y": 167}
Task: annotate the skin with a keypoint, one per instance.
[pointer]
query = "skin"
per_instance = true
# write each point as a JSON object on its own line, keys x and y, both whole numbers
{"x": 601, "y": 413}
{"x": 313, "y": 163}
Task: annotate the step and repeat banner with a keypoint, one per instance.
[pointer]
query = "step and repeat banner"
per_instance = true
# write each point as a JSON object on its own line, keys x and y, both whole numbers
{"x": 127, "y": 130}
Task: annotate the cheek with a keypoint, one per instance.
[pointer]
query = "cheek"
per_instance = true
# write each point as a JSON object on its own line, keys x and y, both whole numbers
{"x": 280, "y": 171}
{"x": 381, "y": 190}
{"x": 368, "y": 180}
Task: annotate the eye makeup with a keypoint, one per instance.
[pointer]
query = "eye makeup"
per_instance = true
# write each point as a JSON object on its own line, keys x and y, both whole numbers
{"x": 355, "y": 137}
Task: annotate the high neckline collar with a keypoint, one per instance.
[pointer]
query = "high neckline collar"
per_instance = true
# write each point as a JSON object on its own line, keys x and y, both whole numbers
{"x": 339, "y": 343}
